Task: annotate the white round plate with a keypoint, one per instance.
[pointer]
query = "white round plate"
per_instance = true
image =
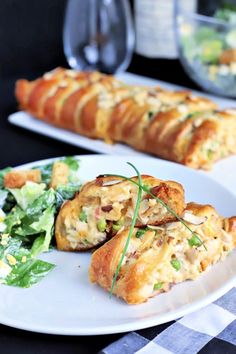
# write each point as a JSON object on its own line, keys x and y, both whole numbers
{"x": 65, "y": 302}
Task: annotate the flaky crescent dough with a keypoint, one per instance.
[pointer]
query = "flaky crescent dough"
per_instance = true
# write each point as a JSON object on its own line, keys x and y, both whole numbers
{"x": 175, "y": 126}
{"x": 163, "y": 257}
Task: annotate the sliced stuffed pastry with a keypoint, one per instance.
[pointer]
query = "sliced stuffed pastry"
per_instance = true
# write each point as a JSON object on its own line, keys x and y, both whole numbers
{"x": 159, "y": 257}
{"x": 106, "y": 205}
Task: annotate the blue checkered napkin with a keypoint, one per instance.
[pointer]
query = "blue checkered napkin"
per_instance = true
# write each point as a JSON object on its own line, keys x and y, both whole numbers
{"x": 210, "y": 330}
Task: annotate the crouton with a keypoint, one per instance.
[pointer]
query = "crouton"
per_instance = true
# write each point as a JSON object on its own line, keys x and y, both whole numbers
{"x": 60, "y": 174}
{"x": 17, "y": 179}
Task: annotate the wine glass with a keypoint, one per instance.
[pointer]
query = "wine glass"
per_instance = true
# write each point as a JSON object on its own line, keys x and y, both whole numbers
{"x": 98, "y": 35}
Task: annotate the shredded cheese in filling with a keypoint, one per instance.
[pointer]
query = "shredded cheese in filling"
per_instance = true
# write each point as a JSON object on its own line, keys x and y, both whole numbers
{"x": 168, "y": 257}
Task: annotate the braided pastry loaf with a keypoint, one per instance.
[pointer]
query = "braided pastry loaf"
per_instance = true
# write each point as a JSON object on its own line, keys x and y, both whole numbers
{"x": 173, "y": 125}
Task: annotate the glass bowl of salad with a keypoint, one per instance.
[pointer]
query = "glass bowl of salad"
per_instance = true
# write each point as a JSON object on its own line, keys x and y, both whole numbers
{"x": 207, "y": 48}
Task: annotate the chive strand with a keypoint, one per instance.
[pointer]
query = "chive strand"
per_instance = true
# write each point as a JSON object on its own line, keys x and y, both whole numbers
{"x": 131, "y": 227}
{"x": 176, "y": 215}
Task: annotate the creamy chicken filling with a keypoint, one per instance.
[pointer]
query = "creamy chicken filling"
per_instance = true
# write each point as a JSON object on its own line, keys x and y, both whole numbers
{"x": 180, "y": 256}
{"x": 186, "y": 261}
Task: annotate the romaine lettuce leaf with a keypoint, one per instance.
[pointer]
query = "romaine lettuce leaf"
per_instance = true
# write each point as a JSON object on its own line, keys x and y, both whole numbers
{"x": 3, "y": 226}
{"x": 17, "y": 267}
{"x": 72, "y": 162}
{"x": 206, "y": 33}
{"x": 227, "y": 13}
{"x": 13, "y": 219}
{"x": 44, "y": 224}
{"x": 46, "y": 200}
{"x": 25, "y": 223}
{"x": 26, "y": 195}
{"x": 66, "y": 192}
{"x": 27, "y": 274}
{"x": 9, "y": 202}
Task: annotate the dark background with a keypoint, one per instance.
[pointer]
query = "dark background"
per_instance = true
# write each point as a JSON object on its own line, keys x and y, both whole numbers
{"x": 31, "y": 43}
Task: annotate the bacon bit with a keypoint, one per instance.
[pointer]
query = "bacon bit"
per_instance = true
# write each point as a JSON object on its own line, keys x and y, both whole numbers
{"x": 97, "y": 213}
{"x": 134, "y": 255}
{"x": 107, "y": 208}
{"x": 159, "y": 242}
{"x": 161, "y": 191}
{"x": 169, "y": 239}
{"x": 99, "y": 181}
{"x": 204, "y": 264}
{"x": 155, "y": 190}
{"x": 119, "y": 276}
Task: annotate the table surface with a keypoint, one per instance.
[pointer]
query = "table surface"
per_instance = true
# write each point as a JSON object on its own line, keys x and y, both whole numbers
{"x": 19, "y": 146}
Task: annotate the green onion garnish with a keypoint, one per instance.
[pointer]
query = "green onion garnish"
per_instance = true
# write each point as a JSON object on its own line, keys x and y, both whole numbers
{"x": 83, "y": 216}
{"x": 176, "y": 264}
{"x": 195, "y": 241}
{"x": 131, "y": 227}
{"x": 117, "y": 225}
{"x": 151, "y": 115}
{"x": 157, "y": 286}
{"x": 210, "y": 154}
{"x": 193, "y": 114}
{"x": 101, "y": 225}
{"x": 140, "y": 233}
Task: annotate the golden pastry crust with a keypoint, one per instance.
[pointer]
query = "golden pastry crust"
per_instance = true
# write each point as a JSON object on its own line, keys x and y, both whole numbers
{"x": 230, "y": 226}
{"x": 107, "y": 204}
{"x": 173, "y": 125}
{"x": 163, "y": 256}
{"x": 17, "y": 179}
{"x": 47, "y": 98}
